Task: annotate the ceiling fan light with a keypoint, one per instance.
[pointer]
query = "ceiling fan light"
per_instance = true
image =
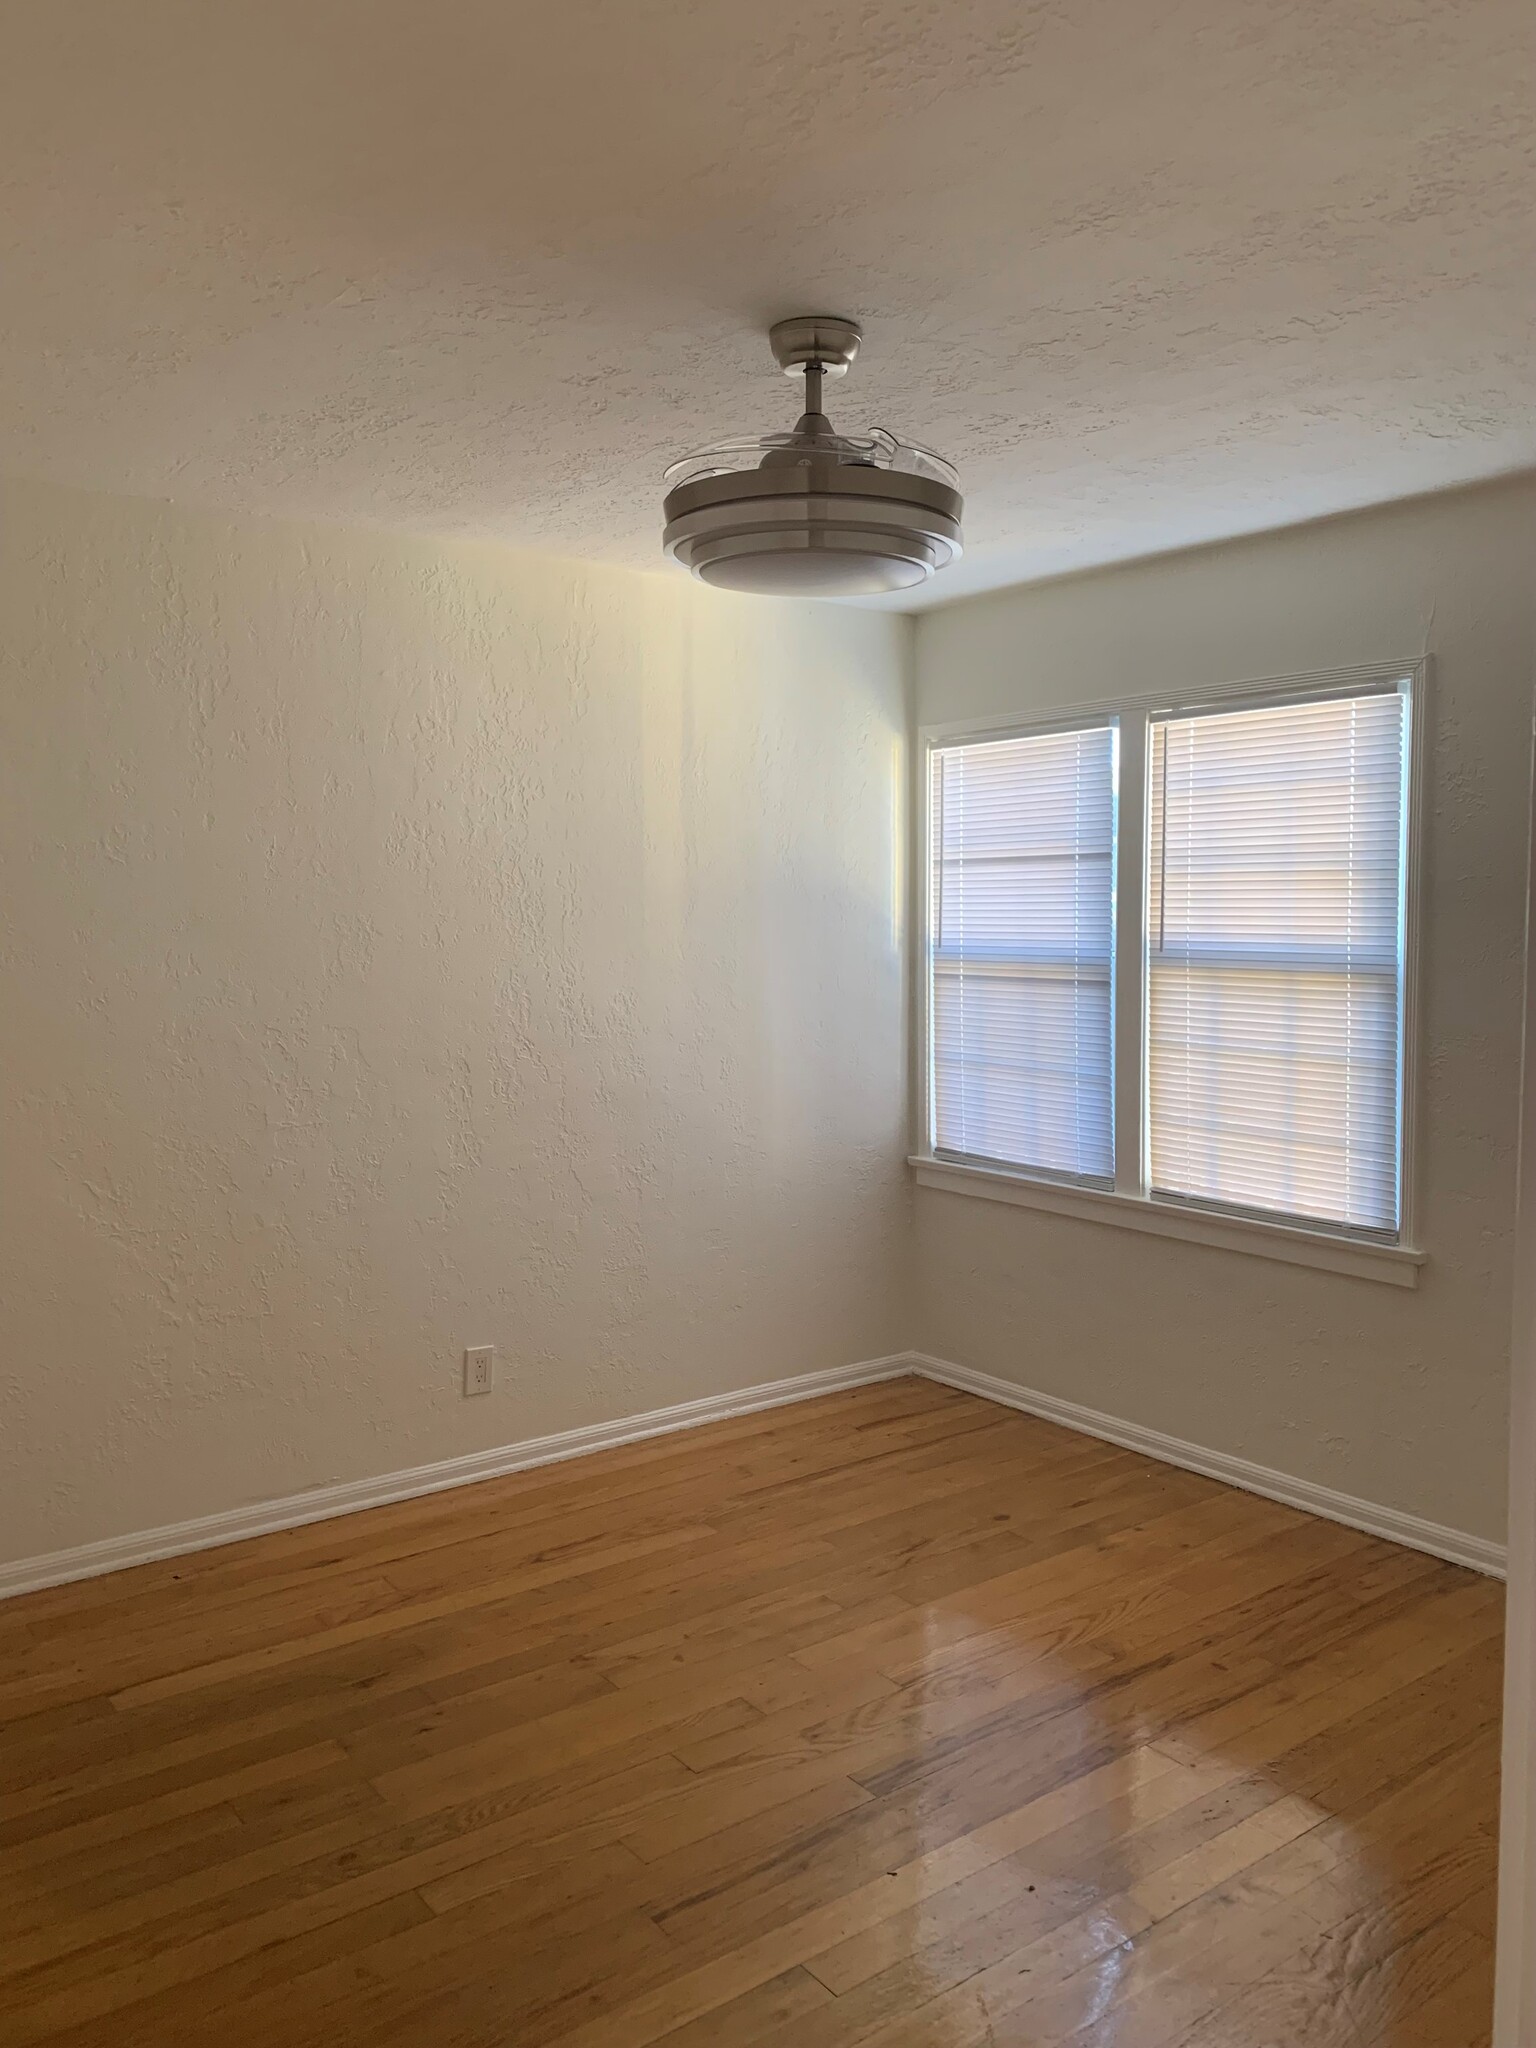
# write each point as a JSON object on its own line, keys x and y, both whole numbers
{"x": 813, "y": 513}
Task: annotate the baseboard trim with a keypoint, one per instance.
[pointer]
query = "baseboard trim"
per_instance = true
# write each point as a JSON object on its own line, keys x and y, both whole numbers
{"x": 321, "y": 1503}
{"x": 1413, "y": 1531}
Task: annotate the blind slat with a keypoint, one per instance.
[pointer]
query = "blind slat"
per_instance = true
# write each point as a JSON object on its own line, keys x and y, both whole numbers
{"x": 1022, "y": 898}
{"x": 1275, "y": 892}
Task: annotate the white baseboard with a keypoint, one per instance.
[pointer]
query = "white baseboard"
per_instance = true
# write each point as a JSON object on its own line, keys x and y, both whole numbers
{"x": 175, "y": 1539}
{"x": 1410, "y": 1530}
{"x": 320, "y": 1503}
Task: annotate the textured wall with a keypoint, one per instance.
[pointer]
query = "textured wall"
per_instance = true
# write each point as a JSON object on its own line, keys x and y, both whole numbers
{"x": 408, "y": 946}
{"x": 1401, "y": 1397}
{"x": 405, "y": 946}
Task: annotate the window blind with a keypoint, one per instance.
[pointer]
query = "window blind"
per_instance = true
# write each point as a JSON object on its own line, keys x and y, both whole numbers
{"x": 1022, "y": 918}
{"x": 1274, "y": 916}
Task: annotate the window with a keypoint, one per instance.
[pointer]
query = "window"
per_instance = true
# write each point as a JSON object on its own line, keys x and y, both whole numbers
{"x": 1022, "y": 873}
{"x": 1274, "y": 905}
{"x": 1239, "y": 1048}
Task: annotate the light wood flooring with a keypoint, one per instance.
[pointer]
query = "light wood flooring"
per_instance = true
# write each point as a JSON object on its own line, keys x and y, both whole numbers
{"x": 893, "y": 1718}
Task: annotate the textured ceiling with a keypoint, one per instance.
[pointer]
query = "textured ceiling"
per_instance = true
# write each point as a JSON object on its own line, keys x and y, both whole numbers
{"x": 1149, "y": 274}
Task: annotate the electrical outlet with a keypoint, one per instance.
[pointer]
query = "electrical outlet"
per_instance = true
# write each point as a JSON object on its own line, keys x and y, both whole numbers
{"x": 479, "y": 1363}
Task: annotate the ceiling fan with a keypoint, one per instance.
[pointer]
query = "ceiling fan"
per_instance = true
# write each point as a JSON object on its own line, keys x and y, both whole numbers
{"x": 813, "y": 512}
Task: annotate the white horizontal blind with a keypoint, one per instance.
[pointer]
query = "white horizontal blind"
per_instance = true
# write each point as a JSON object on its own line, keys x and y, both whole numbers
{"x": 1022, "y": 916}
{"x": 1274, "y": 940}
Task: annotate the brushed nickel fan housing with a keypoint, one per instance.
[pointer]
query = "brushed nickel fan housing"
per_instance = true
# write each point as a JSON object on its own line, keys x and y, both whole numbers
{"x": 814, "y": 512}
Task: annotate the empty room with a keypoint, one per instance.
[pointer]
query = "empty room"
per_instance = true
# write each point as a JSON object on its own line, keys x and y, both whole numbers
{"x": 765, "y": 824}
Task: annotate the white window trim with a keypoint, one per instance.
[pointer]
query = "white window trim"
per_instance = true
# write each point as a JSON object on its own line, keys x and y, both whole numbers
{"x": 1130, "y": 1204}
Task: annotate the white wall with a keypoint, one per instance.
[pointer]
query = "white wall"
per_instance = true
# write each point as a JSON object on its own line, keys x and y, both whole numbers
{"x": 406, "y": 946}
{"x": 1399, "y": 1397}
{"x": 1514, "y": 2018}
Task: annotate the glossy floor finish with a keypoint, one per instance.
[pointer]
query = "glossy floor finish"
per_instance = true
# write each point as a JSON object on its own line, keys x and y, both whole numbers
{"x": 894, "y": 1718}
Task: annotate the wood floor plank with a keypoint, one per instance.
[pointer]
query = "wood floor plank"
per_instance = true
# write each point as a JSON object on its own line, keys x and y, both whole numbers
{"x": 891, "y": 1720}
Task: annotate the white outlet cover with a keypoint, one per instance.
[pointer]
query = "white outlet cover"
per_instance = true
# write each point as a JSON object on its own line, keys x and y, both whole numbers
{"x": 479, "y": 1369}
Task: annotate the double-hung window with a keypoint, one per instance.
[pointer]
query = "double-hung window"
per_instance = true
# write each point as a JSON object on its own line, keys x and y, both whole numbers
{"x": 1168, "y": 951}
{"x": 1022, "y": 924}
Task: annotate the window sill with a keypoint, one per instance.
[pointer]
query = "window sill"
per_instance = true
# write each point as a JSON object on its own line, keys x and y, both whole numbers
{"x": 1389, "y": 1263}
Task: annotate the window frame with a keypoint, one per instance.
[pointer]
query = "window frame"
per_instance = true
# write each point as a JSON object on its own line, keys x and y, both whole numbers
{"x": 1130, "y": 1201}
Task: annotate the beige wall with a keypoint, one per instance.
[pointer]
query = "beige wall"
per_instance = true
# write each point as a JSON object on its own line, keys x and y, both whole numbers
{"x": 408, "y": 946}
{"x": 1399, "y": 1397}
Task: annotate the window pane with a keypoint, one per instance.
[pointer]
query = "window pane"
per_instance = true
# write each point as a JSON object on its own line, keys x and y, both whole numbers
{"x": 1275, "y": 891}
{"x": 1022, "y": 921}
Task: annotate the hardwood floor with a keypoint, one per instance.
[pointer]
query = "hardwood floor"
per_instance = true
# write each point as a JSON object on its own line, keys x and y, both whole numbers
{"x": 894, "y": 1718}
